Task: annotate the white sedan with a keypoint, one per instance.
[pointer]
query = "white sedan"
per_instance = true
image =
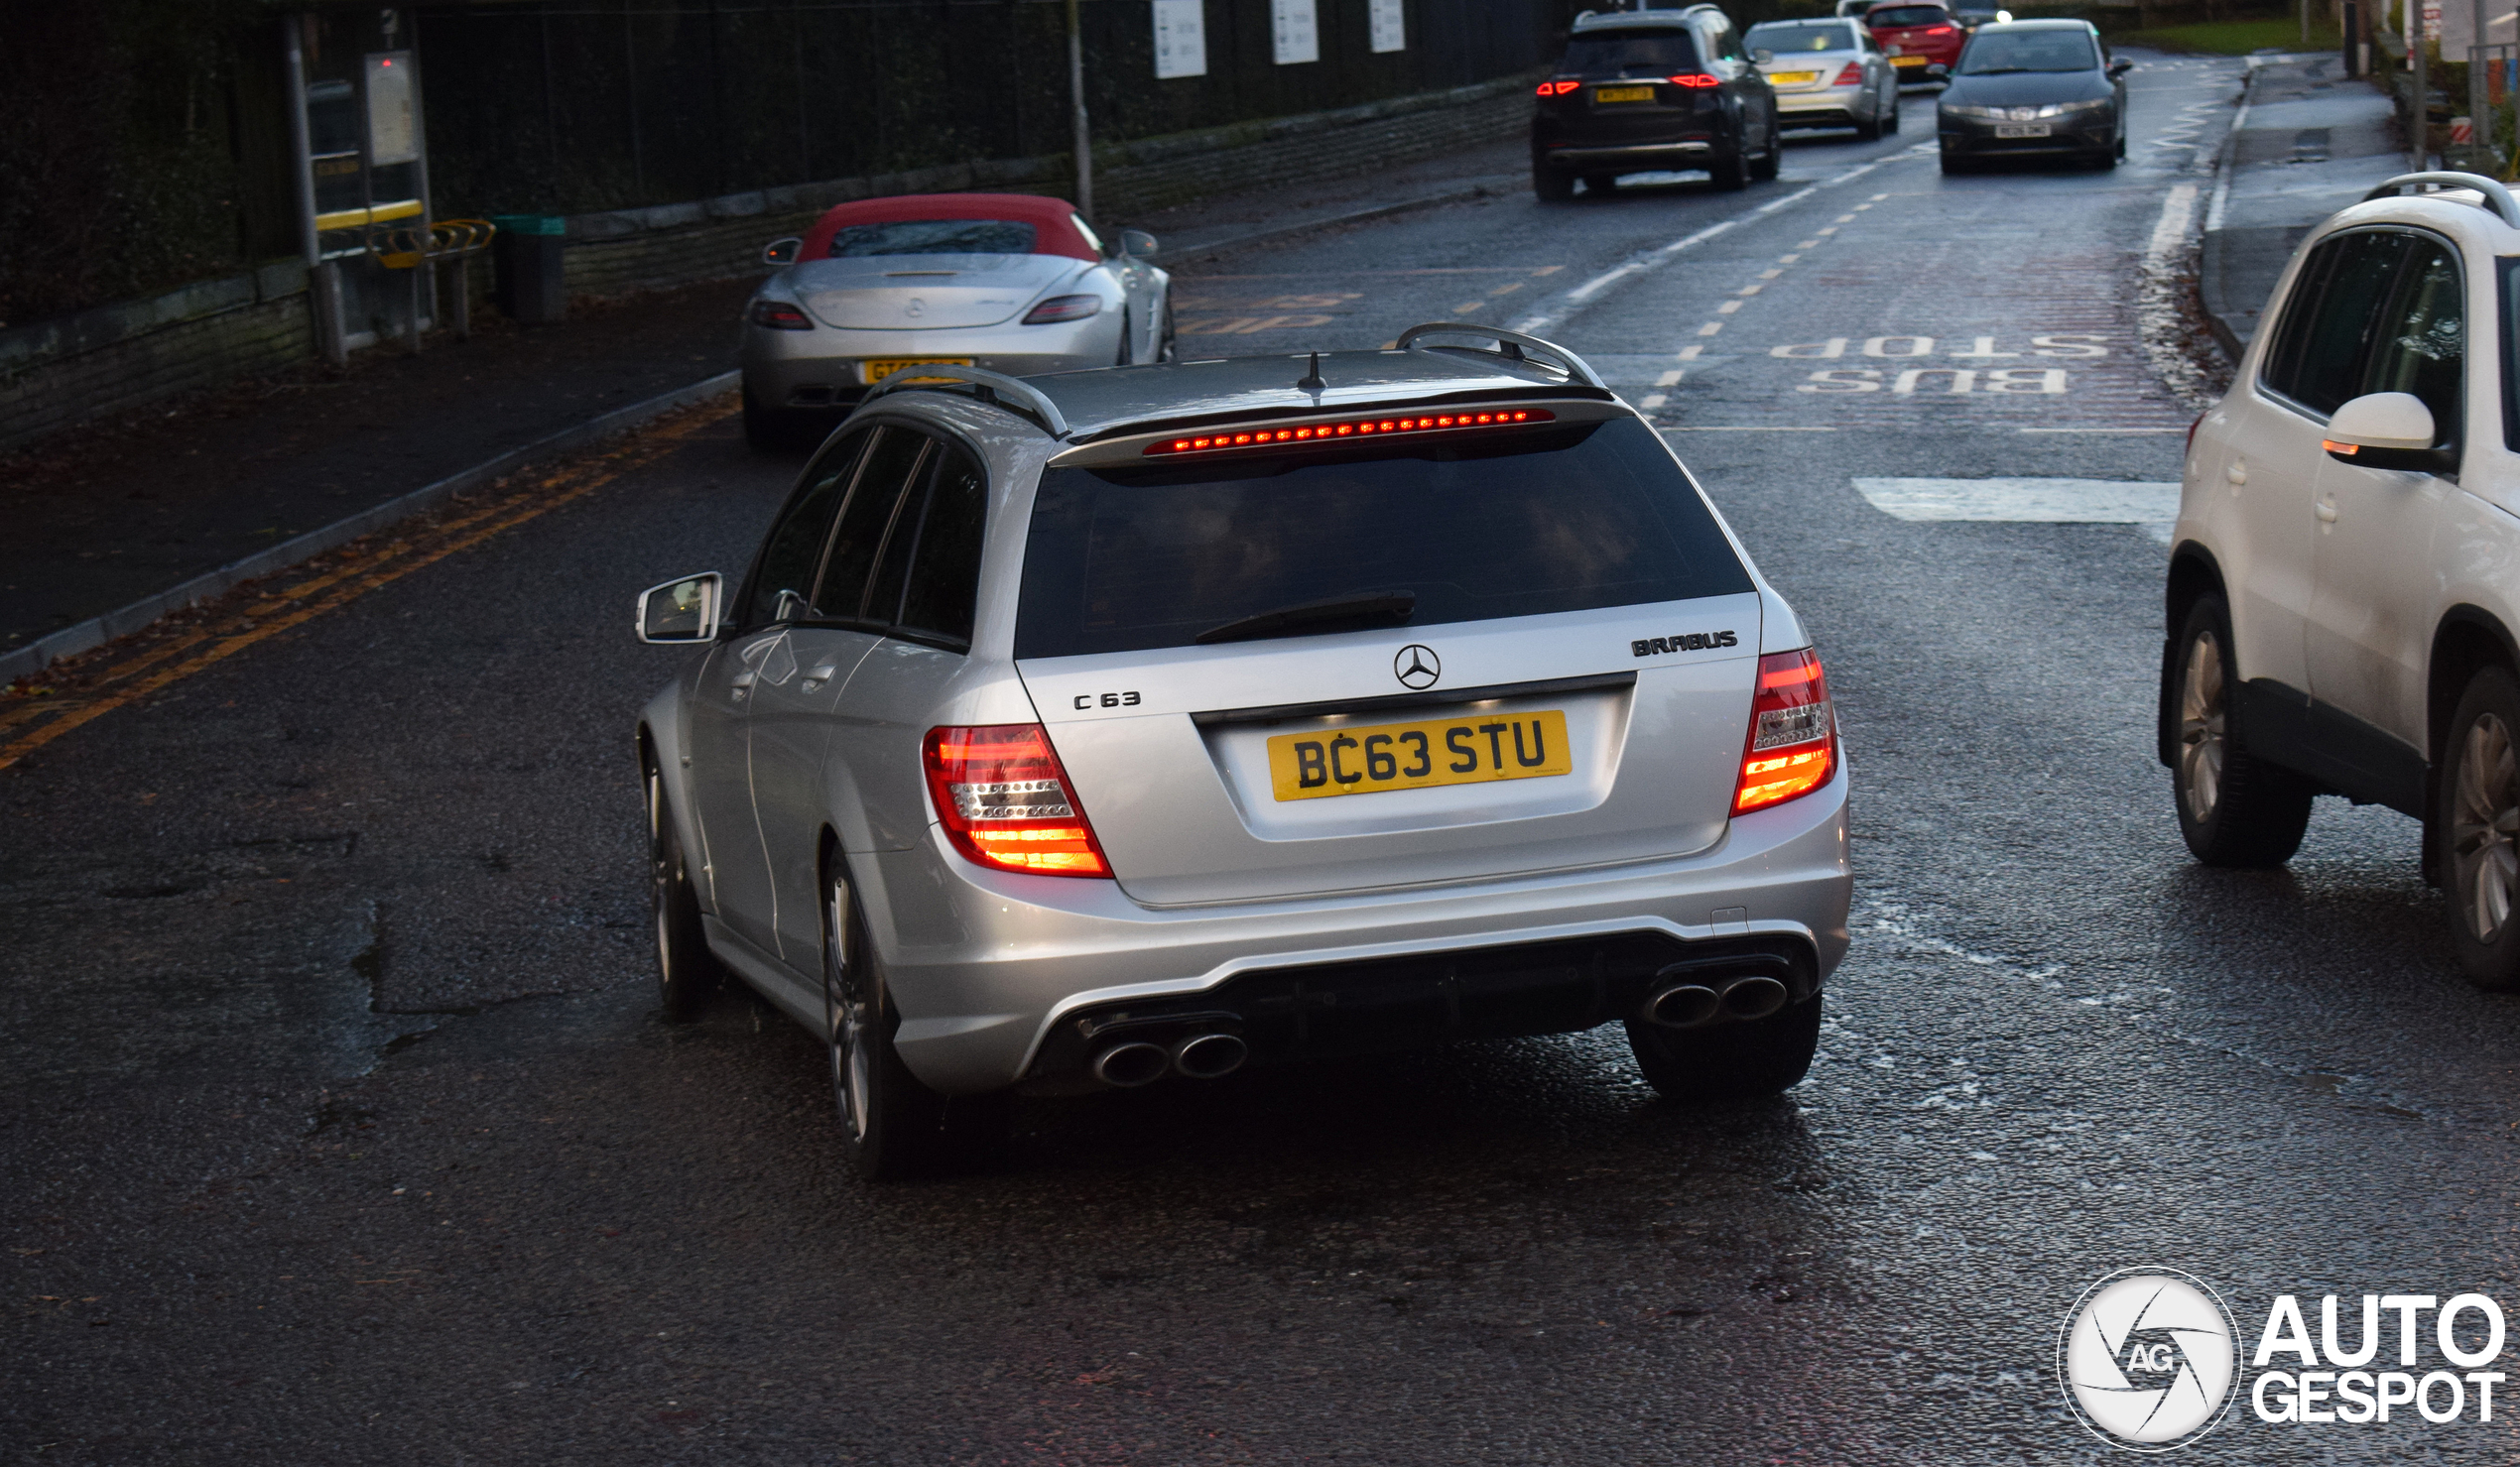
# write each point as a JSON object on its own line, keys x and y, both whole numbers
{"x": 1012, "y": 282}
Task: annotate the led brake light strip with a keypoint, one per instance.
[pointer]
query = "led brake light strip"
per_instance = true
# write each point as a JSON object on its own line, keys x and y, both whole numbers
{"x": 1357, "y": 428}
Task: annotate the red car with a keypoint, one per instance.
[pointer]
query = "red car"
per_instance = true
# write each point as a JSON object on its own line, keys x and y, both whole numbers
{"x": 1920, "y": 40}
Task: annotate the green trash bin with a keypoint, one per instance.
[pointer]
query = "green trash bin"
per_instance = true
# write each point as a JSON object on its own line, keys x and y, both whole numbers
{"x": 526, "y": 255}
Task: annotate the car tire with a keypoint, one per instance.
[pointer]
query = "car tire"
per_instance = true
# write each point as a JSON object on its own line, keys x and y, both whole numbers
{"x": 1731, "y": 173}
{"x": 1953, "y": 165}
{"x": 2476, "y": 824}
{"x": 768, "y": 430}
{"x": 1729, "y": 1061}
{"x": 1168, "y": 348}
{"x": 1772, "y": 162}
{"x": 1551, "y": 185}
{"x": 2234, "y": 809}
{"x": 1890, "y": 123}
{"x": 891, "y": 1125}
{"x": 1126, "y": 325}
{"x": 688, "y": 973}
{"x": 1600, "y": 183}
{"x": 1869, "y": 131}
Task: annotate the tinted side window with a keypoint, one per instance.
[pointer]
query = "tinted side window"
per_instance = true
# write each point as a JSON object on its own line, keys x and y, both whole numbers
{"x": 944, "y": 574}
{"x": 869, "y": 512}
{"x": 795, "y": 545}
{"x": 2422, "y": 347}
{"x": 2330, "y": 321}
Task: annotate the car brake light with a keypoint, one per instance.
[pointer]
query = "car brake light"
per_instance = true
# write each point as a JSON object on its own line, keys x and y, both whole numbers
{"x": 1793, "y": 746}
{"x": 1063, "y": 309}
{"x": 1356, "y": 428}
{"x": 1005, "y": 803}
{"x": 1558, "y": 88}
{"x": 779, "y": 315}
{"x": 1854, "y": 76}
{"x": 1941, "y": 31}
{"x": 1692, "y": 79}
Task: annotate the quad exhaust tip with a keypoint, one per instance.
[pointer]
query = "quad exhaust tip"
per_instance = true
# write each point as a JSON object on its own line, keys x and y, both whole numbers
{"x": 1132, "y": 1064}
{"x": 1210, "y": 1057}
{"x": 1696, "y": 1005}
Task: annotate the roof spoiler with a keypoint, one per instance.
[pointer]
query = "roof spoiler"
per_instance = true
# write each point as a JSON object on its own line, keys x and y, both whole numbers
{"x": 994, "y": 388}
{"x": 2497, "y": 197}
{"x": 1512, "y": 345}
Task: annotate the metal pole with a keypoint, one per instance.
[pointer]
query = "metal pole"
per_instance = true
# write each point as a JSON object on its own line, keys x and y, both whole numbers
{"x": 323, "y": 285}
{"x": 1083, "y": 140}
{"x": 2479, "y": 117}
{"x": 2417, "y": 141}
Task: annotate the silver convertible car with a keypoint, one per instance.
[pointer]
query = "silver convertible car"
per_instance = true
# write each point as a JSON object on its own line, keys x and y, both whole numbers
{"x": 1007, "y": 282}
{"x": 1126, "y": 727}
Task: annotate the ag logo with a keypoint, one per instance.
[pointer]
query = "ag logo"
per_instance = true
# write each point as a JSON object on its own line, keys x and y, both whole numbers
{"x": 2147, "y": 1359}
{"x": 1417, "y": 666}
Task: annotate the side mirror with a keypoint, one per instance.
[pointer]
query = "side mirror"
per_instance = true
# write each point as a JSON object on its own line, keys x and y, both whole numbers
{"x": 2119, "y": 67}
{"x": 1763, "y": 56}
{"x": 685, "y": 610}
{"x": 782, "y": 250}
{"x": 2385, "y": 429}
{"x": 1137, "y": 244}
{"x": 1936, "y": 69}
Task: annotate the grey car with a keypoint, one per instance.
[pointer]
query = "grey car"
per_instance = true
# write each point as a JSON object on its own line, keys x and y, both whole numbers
{"x": 1829, "y": 74}
{"x": 2041, "y": 88}
{"x": 1129, "y": 726}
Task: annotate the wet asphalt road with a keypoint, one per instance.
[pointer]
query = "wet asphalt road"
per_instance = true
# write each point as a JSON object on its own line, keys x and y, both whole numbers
{"x": 342, "y": 1130}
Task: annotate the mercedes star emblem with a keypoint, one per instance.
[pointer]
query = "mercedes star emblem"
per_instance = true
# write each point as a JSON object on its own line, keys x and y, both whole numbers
{"x": 1417, "y": 666}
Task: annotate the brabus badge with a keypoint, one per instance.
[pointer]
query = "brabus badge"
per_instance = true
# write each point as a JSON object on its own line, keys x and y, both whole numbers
{"x": 1691, "y": 642}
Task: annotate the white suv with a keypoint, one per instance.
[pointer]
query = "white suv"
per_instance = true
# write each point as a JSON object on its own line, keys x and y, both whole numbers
{"x": 2345, "y": 582}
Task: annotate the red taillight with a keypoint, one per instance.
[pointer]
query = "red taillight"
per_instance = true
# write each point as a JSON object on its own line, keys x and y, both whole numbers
{"x": 1063, "y": 309}
{"x": 779, "y": 315}
{"x": 1692, "y": 79}
{"x": 1854, "y": 76}
{"x": 1941, "y": 31}
{"x": 1793, "y": 746}
{"x": 1558, "y": 88}
{"x": 1354, "y": 428}
{"x": 1005, "y": 803}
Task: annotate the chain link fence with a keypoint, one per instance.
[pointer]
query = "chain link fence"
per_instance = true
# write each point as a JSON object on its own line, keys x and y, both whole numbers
{"x": 572, "y": 107}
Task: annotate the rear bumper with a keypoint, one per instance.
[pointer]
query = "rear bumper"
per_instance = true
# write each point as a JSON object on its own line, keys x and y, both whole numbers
{"x": 820, "y": 368}
{"x": 986, "y": 966}
{"x": 1579, "y": 158}
{"x": 1833, "y": 103}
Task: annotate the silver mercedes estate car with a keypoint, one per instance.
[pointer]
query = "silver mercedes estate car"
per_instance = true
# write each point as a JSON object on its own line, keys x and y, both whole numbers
{"x": 1130, "y": 726}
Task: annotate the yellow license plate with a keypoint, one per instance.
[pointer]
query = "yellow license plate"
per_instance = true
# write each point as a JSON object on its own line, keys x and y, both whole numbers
{"x": 1909, "y": 61}
{"x": 878, "y": 371}
{"x": 1623, "y": 94}
{"x": 1790, "y": 78}
{"x": 1472, "y": 750}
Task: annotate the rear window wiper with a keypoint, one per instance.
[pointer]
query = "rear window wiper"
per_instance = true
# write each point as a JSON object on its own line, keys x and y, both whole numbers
{"x": 1363, "y": 608}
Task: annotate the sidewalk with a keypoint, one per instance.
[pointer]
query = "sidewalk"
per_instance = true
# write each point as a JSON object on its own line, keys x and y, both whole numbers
{"x": 107, "y": 521}
{"x": 2307, "y": 142}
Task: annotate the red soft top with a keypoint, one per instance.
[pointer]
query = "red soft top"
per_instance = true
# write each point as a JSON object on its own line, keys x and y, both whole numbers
{"x": 1054, "y": 220}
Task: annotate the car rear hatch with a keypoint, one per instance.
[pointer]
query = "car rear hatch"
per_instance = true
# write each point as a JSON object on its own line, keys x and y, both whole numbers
{"x": 1432, "y": 654}
{"x": 926, "y": 291}
{"x": 1627, "y": 94}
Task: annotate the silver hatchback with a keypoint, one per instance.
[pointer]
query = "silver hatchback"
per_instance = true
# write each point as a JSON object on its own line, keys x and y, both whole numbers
{"x": 1130, "y": 726}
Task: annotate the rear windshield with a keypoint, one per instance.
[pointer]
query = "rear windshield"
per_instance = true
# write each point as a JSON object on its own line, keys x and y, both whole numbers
{"x": 1542, "y": 520}
{"x": 2028, "y": 50}
{"x": 1630, "y": 53}
{"x": 1802, "y": 35}
{"x": 1908, "y": 15}
{"x": 933, "y": 237}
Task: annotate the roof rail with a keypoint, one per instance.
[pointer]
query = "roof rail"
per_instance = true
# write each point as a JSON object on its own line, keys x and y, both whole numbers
{"x": 1512, "y": 345}
{"x": 993, "y": 388}
{"x": 2497, "y": 197}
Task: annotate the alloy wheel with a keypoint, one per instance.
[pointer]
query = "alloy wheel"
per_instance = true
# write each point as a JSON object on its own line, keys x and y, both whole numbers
{"x": 845, "y": 1012}
{"x": 2202, "y": 728}
{"x": 2485, "y": 821}
{"x": 659, "y": 873}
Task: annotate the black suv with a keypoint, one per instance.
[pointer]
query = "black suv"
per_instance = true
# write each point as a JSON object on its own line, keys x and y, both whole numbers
{"x": 1653, "y": 89}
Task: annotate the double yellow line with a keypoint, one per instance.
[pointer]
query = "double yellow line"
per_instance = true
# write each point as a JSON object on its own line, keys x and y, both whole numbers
{"x": 92, "y": 685}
